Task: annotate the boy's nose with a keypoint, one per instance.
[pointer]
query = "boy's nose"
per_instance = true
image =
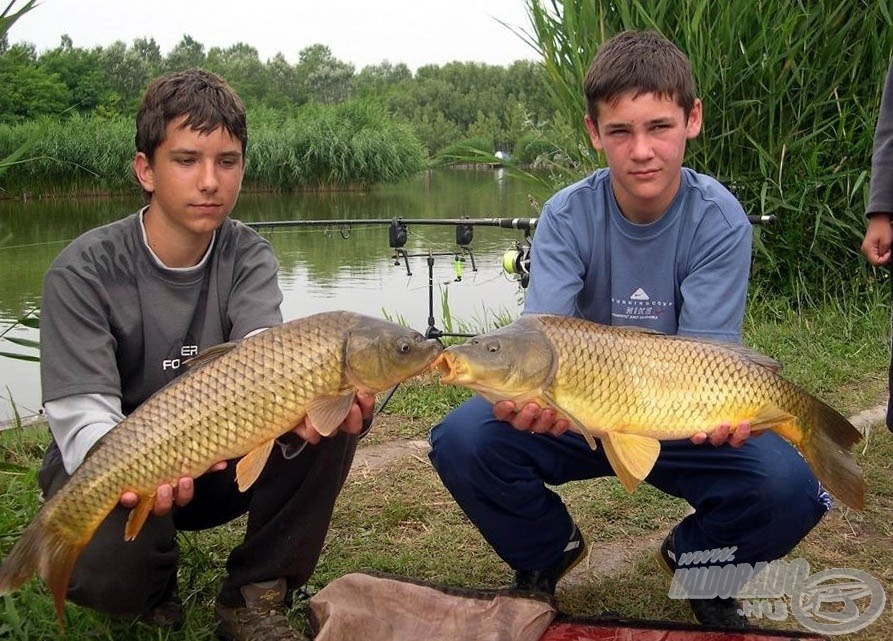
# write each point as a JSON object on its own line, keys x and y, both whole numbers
{"x": 641, "y": 146}
{"x": 208, "y": 180}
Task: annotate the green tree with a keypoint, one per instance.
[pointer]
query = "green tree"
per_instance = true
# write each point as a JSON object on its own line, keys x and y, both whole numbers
{"x": 80, "y": 70}
{"x": 379, "y": 80}
{"x": 26, "y": 91}
{"x": 126, "y": 73}
{"x": 186, "y": 54}
{"x": 242, "y": 68}
{"x": 326, "y": 79}
{"x": 285, "y": 91}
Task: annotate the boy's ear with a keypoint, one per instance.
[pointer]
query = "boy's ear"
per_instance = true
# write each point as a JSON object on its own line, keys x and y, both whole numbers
{"x": 142, "y": 169}
{"x": 695, "y": 116}
{"x": 592, "y": 130}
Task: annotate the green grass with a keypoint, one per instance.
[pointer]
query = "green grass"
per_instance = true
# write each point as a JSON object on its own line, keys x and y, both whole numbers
{"x": 399, "y": 519}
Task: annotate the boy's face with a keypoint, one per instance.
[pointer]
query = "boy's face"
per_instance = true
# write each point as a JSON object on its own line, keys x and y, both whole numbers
{"x": 643, "y": 139}
{"x": 193, "y": 178}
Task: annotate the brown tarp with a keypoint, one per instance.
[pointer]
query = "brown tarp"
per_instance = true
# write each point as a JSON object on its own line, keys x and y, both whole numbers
{"x": 374, "y": 607}
{"x": 364, "y": 607}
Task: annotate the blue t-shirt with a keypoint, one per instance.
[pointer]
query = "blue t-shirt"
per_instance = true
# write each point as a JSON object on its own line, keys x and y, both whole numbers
{"x": 686, "y": 273}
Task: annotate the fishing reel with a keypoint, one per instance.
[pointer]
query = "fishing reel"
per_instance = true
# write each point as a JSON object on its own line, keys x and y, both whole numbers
{"x": 516, "y": 263}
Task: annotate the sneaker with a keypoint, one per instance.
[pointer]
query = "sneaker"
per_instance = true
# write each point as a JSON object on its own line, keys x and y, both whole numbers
{"x": 167, "y": 614}
{"x": 716, "y": 612}
{"x": 261, "y": 618}
{"x": 545, "y": 580}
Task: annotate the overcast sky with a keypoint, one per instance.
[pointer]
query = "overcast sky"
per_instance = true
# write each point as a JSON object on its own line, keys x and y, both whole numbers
{"x": 361, "y": 32}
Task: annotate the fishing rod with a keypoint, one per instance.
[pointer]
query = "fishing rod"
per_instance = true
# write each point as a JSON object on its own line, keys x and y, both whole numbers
{"x": 515, "y": 261}
{"x": 525, "y": 224}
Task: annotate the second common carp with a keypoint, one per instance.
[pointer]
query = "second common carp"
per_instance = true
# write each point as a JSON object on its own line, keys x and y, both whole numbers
{"x": 233, "y": 402}
{"x": 632, "y": 388}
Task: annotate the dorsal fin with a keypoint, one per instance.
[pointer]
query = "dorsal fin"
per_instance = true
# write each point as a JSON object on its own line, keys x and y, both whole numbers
{"x": 210, "y": 354}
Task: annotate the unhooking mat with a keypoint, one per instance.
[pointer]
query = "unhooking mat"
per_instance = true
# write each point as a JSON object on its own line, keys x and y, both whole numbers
{"x": 375, "y": 607}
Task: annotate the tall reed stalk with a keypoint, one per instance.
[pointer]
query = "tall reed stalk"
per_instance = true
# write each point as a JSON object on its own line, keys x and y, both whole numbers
{"x": 790, "y": 89}
{"x": 347, "y": 145}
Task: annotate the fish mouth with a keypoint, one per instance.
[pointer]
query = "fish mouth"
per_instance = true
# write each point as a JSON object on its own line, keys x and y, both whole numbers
{"x": 447, "y": 366}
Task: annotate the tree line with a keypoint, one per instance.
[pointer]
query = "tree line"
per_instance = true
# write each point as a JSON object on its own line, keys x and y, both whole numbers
{"x": 442, "y": 104}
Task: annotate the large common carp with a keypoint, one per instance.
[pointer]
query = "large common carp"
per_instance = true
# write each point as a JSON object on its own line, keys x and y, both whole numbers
{"x": 631, "y": 388}
{"x": 234, "y": 401}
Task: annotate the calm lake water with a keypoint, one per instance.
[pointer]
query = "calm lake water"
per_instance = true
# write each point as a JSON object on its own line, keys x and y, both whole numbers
{"x": 321, "y": 268}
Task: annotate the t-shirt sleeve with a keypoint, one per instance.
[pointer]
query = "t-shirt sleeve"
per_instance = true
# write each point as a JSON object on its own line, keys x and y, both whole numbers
{"x": 77, "y": 348}
{"x": 715, "y": 290}
{"x": 78, "y": 422}
{"x": 556, "y": 267}
{"x": 255, "y": 300}
{"x": 881, "y": 190}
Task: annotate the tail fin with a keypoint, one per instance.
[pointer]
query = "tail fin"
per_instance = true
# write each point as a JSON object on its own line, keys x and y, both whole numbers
{"x": 45, "y": 550}
{"x": 826, "y": 447}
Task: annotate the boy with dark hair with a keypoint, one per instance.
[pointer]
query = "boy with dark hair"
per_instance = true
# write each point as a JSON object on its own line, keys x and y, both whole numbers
{"x": 643, "y": 242}
{"x": 124, "y": 306}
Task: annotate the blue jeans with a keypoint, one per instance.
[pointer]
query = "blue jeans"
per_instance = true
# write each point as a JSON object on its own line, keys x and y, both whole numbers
{"x": 761, "y": 497}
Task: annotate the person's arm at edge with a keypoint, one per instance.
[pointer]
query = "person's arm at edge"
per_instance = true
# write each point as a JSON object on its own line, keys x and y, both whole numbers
{"x": 879, "y": 233}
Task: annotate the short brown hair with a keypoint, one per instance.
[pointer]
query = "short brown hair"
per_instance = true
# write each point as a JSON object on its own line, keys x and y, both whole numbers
{"x": 204, "y": 98}
{"x": 639, "y": 62}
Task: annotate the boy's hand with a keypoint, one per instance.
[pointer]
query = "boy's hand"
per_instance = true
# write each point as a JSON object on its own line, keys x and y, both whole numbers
{"x": 353, "y": 424}
{"x": 166, "y": 496}
{"x": 530, "y": 418}
{"x": 878, "y": 239}
{"x": 724, "y": 434}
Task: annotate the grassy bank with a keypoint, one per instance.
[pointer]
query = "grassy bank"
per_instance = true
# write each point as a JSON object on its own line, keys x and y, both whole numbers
{"x": 399, "y": 519}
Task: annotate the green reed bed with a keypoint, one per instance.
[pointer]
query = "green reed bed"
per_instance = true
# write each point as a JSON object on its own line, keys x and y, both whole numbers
{"x": 791, "y": 91}
{"x": 351, "y": 144}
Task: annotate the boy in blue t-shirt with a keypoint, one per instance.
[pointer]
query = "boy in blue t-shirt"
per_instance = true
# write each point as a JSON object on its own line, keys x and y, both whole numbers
{"x": 650, "y": 243}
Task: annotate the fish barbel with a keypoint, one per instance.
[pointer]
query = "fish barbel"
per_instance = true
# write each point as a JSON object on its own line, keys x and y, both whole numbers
{"x": 233, "y": 401}
{"x": 632, "y": 388}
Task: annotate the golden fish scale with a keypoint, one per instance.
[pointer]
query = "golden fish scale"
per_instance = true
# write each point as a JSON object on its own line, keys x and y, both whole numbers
{"x": 664, "y": 387}
{"x": 257, "y": 391}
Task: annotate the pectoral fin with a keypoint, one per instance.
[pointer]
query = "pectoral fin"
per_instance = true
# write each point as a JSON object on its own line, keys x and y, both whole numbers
{"x": 575, "y": 424}
{"x": 137, "y": 517}
{"x": 587, "y": 436}
{"x": 328, "y": 412}
{"x": 250, "y": 466}
{"x": 632, "y": 456}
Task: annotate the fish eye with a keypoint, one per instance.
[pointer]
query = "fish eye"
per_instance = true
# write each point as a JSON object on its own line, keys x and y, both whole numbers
{"x": 493, "y": 347}
{"x": 403, "y": 346}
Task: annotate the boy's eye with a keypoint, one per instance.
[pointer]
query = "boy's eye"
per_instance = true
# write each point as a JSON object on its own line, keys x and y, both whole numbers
{"x": 184, "y": 161}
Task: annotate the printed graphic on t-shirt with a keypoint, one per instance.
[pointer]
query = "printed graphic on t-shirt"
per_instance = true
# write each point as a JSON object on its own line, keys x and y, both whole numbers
{"x": 184, "y": 353}
{"x": 638, "y": 306}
